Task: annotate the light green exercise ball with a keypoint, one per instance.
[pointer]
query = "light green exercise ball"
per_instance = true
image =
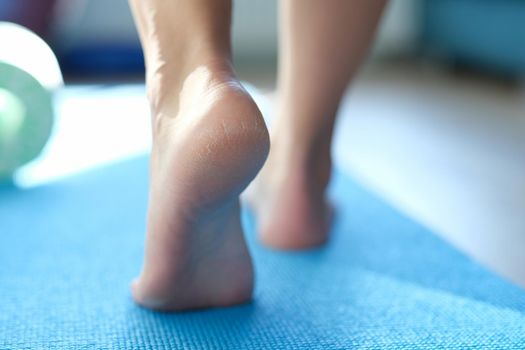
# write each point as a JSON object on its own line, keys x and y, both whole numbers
{"x": 29, "y": 74}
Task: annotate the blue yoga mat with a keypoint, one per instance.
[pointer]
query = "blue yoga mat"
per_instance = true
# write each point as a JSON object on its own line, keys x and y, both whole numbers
{"x": 68, "y": 251}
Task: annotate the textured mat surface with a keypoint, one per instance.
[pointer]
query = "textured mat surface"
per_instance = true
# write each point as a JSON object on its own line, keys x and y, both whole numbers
{"x": 68, "y": 251}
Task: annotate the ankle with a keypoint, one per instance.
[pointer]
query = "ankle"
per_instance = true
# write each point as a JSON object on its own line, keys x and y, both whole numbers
{"x": 308, "y": 162}
{"x": 165, "y": 80}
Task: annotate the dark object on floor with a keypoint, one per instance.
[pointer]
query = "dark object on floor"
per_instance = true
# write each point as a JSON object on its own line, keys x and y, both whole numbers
{"x": 487, "y": 35}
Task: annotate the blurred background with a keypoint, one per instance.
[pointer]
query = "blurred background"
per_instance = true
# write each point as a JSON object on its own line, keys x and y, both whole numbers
{"x": 434, "y": 123}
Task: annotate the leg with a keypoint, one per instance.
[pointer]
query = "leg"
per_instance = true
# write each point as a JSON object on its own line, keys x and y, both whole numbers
{"x": 322, "y": 46}
{"x": 209, "y": 141}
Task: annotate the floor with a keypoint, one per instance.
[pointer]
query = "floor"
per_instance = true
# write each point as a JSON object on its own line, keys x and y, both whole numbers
{"x": 448, "y": 150}
{"x": 445, "y": 149}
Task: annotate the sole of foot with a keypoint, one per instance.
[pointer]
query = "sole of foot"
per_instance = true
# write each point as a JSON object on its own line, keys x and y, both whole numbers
{"x": 209, "y": 142}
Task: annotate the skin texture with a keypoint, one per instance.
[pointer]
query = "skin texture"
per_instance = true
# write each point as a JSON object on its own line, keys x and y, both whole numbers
{"x": 210, "y": 141}
{"x": 322, "y": 44}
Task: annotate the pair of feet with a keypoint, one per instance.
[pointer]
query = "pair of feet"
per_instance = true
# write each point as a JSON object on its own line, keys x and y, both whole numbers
{"x": 209, "y": 142}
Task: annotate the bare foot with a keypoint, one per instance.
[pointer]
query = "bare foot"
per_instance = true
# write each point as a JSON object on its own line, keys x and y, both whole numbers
{"x": 209, "y": 143}
{"x": 288, "y": 196}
